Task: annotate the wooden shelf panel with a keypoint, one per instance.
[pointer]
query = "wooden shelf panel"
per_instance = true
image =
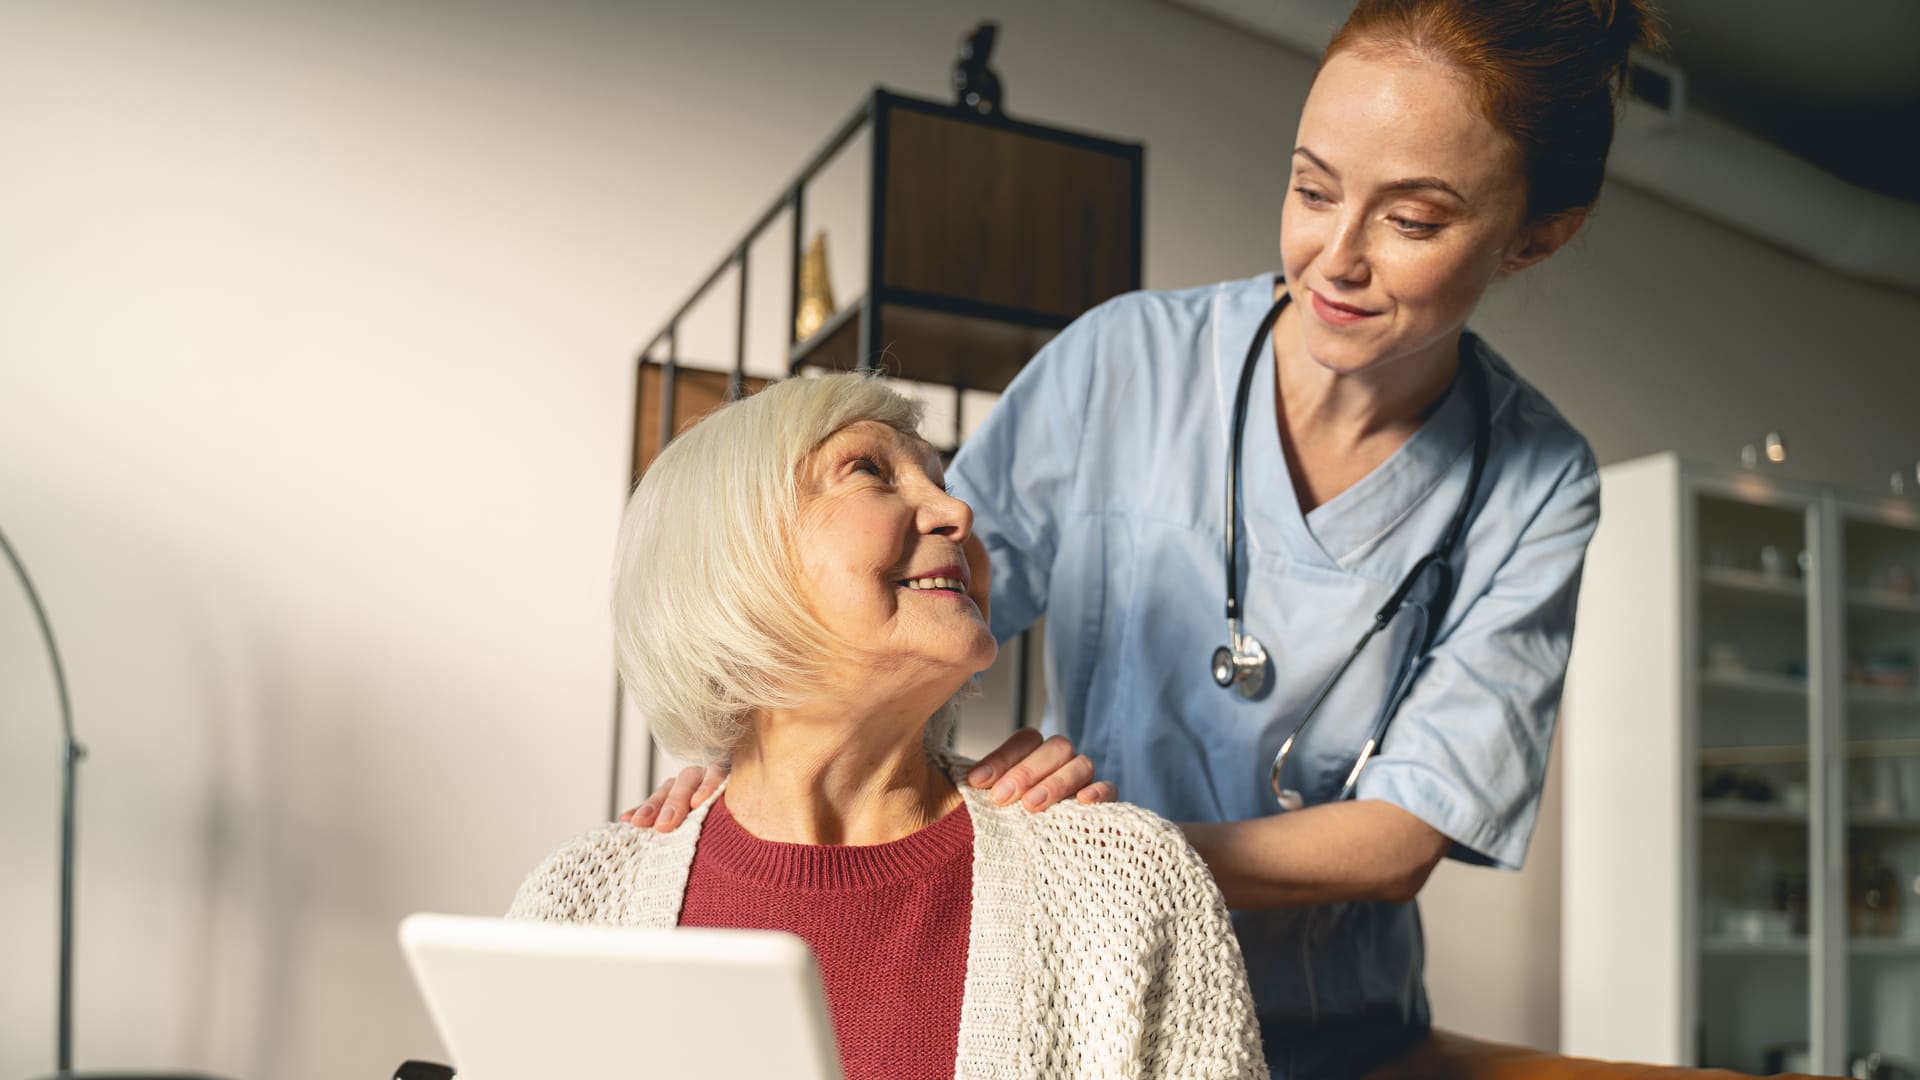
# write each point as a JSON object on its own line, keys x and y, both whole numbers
{"x": 696, "y": 392}
{"x": 928, "y": 346}
{"x": 1001, "y": 216}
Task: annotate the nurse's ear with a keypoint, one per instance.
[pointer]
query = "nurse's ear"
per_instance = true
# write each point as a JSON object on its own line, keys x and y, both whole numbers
{"x": 1539, "y": 239}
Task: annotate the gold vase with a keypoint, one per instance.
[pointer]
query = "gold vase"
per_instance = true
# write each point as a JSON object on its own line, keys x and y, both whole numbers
{"x": 816, "y": 292}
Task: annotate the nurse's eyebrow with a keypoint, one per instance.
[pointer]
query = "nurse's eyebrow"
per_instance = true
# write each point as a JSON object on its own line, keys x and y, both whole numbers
{"x": 1414, "y": 183}
{"x": 1314, "y": 159}
{"x": 1425, "y": 183}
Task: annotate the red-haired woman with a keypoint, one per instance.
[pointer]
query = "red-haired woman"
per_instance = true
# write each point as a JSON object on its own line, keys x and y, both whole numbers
{"x": 1394, "y": 474}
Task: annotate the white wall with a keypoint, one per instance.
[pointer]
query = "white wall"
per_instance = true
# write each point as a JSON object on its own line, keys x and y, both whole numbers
{"x": 314, "y": 392}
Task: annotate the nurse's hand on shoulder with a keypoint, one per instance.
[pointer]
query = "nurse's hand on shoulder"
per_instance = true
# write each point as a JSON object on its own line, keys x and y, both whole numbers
{"x": 1033, "y": 771}
{"x": 669, "y": 806}
{"x": 1038, "y": 773}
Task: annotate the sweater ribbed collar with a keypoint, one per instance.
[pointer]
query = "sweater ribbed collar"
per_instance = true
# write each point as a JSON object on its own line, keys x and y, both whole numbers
{"x": 726, "y": 846}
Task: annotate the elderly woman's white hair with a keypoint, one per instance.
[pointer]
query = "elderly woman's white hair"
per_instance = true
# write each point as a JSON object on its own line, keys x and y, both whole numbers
{"x": 708, "y": 627}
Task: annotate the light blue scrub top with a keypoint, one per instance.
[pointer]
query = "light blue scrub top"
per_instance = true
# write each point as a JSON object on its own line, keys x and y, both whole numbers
{"x": 1098, "y": 483}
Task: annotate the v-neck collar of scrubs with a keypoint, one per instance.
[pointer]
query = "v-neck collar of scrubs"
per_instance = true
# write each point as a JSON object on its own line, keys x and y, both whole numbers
{"x": 1340, "y": 532}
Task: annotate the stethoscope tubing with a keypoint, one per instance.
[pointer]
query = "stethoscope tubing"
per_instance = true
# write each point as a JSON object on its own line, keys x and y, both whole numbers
{"x": 1241, "y": 394}
{"x": 1243, "y": 646}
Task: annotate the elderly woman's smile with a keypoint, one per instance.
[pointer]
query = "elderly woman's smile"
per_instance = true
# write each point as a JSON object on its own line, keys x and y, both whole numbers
{"x": 936, "y": 584}
{"x": 878, "y": 547}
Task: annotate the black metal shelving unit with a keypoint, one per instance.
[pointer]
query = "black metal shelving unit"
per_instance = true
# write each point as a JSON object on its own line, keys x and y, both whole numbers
{"x": 985, "y": 236}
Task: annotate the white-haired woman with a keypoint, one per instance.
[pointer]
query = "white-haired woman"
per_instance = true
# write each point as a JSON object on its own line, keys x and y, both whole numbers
{"x": 791, "y": 596}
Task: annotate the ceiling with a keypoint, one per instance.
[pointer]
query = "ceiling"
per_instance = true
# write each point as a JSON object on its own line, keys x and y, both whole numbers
{"x": 1836, "y": 83}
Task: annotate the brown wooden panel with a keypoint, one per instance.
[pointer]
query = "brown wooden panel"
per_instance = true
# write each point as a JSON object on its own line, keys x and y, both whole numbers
{"x": 933, "y": 347}
{"x": 1446, "y": 1056}
{"x": 696, "y": 393}
{"x": 1000, "y": 216}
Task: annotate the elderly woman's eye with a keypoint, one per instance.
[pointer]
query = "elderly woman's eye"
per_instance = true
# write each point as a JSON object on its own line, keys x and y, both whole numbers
{"x": 867, "y": 464}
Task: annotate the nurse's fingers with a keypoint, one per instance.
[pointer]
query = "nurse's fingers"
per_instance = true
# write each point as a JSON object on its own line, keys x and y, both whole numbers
{"x": 1022, "y": 775}
{"x": 709, "y": 783}
{"x": 647, "y": 813}
{"x": 679, "y": 798}
{"x": 1066, "y": 781}
{"x": 1100, "y": 791}
{"x": 994, "y": 765}
{"x": 642, "y": 816}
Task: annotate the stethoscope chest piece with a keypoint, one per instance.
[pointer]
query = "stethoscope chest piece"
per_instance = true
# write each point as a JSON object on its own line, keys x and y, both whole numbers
{"x": 1242, "y": 665}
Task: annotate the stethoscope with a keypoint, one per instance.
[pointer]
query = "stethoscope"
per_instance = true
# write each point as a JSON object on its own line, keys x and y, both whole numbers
{"x": 1242, "y": 664}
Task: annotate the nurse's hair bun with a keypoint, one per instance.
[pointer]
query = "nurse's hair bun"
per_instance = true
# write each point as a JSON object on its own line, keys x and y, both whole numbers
{"x": 1549, "y": 73}
{"x": 1627, "y": 25}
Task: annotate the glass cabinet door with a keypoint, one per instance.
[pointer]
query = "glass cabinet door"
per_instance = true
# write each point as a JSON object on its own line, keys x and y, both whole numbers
{"x": 1755, "y": 711}
{"x": 1880, "y": 745}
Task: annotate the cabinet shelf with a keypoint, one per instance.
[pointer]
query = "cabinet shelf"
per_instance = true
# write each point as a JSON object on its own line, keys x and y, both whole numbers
{"x": 1794, "y": 753}
{"x": 1748, "y": 813}
{"x": 1757, "y": 813}
{"x": 1753, "y": 682}
{"x": 1871, "y": 748}
{"x": 1753, "y": 584}
{"x": 1716, "y": 945}
{"x": 1721, "y": 945}
{"x": 1904, "y": 948}
{"x": 1883, "y": 697}
{"x": 1891, "y": 822}
{"x": 1885, "y": 601}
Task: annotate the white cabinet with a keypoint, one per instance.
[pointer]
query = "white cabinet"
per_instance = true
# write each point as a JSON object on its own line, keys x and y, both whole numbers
{"x": 1742, "y": 776}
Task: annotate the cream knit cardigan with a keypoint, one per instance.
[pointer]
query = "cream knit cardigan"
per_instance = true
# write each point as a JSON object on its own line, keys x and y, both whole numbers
{"x": 1100, "y": 946}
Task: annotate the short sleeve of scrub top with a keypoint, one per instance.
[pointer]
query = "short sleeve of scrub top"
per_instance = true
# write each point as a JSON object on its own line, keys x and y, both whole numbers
{"x": 1098, "y": 486}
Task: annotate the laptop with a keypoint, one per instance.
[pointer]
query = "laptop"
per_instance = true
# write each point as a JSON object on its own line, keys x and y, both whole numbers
{"x": 537, "y": 1001}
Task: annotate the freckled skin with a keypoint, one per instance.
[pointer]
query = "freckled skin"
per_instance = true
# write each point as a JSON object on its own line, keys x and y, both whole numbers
{"x": 873, "y": 510}
{"x": 1374, "y": 121}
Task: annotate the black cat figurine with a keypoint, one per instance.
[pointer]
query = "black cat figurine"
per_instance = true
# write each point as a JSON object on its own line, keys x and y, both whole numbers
{"x": 975, "y": 85}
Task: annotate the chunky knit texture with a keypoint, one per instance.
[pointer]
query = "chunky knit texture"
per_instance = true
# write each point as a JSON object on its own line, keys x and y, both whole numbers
{"x": 1099, "y": 946}
{"x": 888, "y": 923}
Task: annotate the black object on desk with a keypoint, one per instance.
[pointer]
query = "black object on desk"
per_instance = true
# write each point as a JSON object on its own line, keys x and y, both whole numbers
{"x": 422, "y": 1070}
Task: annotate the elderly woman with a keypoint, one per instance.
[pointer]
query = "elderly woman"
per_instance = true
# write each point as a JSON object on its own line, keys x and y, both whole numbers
{"x": 791, "y": 597}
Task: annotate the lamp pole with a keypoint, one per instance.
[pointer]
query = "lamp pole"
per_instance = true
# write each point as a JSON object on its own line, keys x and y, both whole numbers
{"x": 74, "y": 754}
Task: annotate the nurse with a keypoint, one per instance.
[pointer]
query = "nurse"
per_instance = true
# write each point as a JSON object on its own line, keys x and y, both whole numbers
{"x": 1444, "y": 145}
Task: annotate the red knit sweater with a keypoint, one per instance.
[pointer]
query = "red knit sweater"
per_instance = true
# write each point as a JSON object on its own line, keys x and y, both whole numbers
{"x": 888, "y": 923}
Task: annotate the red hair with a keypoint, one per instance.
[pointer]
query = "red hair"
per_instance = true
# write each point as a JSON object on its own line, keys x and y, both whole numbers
{"x": 1545, "y": 72}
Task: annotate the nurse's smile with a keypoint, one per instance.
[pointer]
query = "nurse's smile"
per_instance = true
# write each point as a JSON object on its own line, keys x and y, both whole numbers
{"x": 1336, "y": 314}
